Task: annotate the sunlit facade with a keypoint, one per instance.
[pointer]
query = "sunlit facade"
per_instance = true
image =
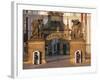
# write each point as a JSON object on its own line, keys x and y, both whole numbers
{"x": 49, "y": 36}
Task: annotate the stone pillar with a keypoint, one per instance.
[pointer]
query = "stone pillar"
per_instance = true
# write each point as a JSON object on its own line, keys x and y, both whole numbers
{"x": 88, "y": 34}
{"x": 36, "y": 45}
{"x": 74, "y": 46}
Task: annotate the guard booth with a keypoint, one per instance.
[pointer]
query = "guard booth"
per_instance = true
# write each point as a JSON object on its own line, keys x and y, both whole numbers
{"x": 36, "y": 57}
{"x": 36, "y": 52}
{"x": 77, "y": 51}
{"x": 78, "y": 56}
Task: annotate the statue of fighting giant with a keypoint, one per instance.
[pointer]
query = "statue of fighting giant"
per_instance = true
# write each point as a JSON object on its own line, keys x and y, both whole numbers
{"x": 76, "y": 32}
{"x": 36, "y": 29}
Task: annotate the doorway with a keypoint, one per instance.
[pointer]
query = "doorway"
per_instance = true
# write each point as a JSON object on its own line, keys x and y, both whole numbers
{"x": 36, "y": 57}
{"x": 54, "y": 47}
{"x": 57, "y": 49}
{"x": 78, "y": 56}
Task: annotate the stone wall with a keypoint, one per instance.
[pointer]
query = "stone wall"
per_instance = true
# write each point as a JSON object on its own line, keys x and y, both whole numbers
{"x": 35, "y": 45}
{"x": 77, "y": 45}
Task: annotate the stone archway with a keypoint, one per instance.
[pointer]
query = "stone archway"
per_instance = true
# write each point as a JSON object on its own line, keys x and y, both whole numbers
{"x": 77, "y": 45}
{"x": 57, "y": 47}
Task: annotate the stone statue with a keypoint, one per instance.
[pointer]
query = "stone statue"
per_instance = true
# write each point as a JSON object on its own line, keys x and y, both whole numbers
{"x": 36, "y": 28}
{"x": 76, "y": 32}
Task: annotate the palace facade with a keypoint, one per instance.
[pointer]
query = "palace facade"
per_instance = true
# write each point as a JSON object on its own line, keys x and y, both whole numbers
{"x": 48, "y": 34}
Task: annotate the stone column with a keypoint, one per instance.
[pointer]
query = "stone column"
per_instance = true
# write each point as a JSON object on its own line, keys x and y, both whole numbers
{"x": 88, "y": 33}
{"x": 36, "y": 45}
{"x": 74, "y": 46}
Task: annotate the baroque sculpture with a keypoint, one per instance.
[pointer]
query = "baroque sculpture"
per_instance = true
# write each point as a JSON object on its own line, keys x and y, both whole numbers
{"x": 76, "y": 32}
{"x": 37, "y": 29}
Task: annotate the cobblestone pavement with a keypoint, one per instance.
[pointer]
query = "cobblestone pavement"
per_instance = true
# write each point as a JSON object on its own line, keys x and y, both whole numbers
{"x": 56, "y": 62}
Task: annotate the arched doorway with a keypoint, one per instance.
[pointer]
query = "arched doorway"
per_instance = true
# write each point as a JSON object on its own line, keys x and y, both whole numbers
{"x": 36, "y": 57}
{"x": 66, "y": 48}
{"x": 57, "y": 49}
{"x": 78, "y": 56}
